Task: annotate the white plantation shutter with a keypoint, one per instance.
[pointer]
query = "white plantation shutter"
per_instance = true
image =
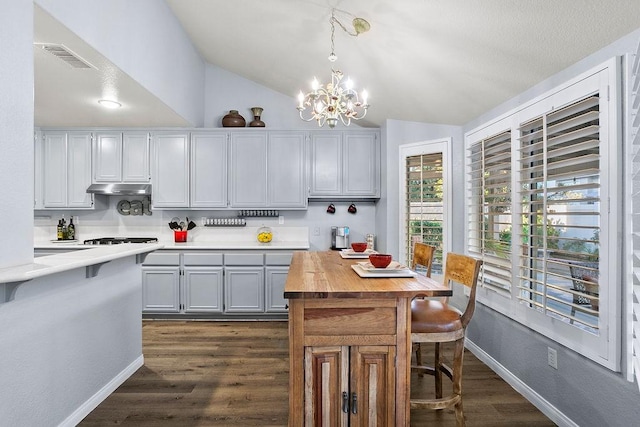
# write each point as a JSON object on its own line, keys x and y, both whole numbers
{"x": 424, "y": 208}
{"x": 633, "y": 208}
{"x": 489, "y": 206}
{"x": 560, "y": 212}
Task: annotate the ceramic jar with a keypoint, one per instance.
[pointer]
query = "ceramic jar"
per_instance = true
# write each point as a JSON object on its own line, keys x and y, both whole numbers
{"x": 233, "y": 120}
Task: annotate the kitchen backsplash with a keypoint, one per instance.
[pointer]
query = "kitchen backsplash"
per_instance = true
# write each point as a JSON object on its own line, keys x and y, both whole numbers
{"x": 315, "y": 221}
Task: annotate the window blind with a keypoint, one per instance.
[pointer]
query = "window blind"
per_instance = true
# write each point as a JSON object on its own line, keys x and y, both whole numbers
{"x": 559, "y": 174}
{"x": 489, "y": 205}
{"x": 633, "y": 208}
{"x": 424, "y": 205}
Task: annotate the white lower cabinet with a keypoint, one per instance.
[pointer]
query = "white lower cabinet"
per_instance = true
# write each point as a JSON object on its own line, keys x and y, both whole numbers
{"x": 275, "y": 278}
{"x": 244, "y": 289}
{"x": 161, "y": 289}
{"x": 202, "y": 290}
{"x": 182, "y": 283}
{"x": 236, "y": 283}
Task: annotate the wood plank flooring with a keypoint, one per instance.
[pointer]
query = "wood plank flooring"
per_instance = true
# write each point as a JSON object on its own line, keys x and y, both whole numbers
{"x": 236, "y": 374}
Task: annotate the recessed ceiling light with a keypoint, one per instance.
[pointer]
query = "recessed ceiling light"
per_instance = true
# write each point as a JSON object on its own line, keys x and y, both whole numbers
{"x": 109, "y": 104}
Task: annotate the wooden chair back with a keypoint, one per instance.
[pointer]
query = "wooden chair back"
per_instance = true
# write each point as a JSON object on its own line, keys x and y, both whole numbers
{"x": 464, "y": 270}
{"x": 423, "y": 256}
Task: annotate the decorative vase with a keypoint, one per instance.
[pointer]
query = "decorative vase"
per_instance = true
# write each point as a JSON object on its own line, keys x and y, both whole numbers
{"x": 233, "y": 120}
{"x": 256, "y": 123}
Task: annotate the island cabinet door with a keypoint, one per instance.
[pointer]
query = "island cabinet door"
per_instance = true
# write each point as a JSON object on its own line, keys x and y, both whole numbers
{"x": 349, "y": 386}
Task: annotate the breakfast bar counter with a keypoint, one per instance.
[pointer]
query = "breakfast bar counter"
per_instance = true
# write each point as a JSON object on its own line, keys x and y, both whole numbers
{"x": 349, "y": 342}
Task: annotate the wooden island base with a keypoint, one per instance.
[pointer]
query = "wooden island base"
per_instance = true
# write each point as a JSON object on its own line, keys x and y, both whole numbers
{"x": 349, "y": 342}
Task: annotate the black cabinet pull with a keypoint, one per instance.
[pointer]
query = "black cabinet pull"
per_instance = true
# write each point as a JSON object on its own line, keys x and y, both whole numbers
{"x": 354, "y": 403}
{"x": 345, "y": 402}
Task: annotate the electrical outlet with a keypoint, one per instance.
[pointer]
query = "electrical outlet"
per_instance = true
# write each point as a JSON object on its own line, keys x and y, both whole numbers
{"x": 552, "y": 357}
{"x": 316, "y": 231}
{"x": 281, "y": 220}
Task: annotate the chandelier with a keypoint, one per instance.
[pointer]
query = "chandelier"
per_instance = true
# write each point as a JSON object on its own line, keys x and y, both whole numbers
{"x": 337, "y": 99}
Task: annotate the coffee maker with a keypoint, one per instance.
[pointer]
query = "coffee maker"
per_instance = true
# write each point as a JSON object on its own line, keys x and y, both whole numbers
{"x": 339, "y": 238}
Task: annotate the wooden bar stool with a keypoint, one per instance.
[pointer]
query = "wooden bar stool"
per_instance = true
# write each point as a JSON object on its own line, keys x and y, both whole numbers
{"x": 436, "y": 322}
{"x": 423, "y": 257}
{"x": 422, "y": 261}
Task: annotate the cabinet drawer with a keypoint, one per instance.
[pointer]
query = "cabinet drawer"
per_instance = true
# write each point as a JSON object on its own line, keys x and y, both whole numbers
{"x": 202, "y": 259}
{"x": 243, "y": 259}
{"x": 350, "y": 321}
{"x": 278, "y": 259}
{"x": 162, "y": 258}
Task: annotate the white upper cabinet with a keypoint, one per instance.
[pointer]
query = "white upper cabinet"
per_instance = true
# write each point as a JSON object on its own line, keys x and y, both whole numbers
{"x": 267, "y": 170}
{"x": 189, "y": 171}
{"x": 345, "y": 164}
{"x": 360, "y": 164}
{"x": 248, "y": 169}
{"x": 286, "y": 171}
{"x": 135, "y": 157}
{"x": 170, "y": 170}
{"x": 208, "y": 170}
{"x": 121, "y": 157}
{"x": 67, "y": 170}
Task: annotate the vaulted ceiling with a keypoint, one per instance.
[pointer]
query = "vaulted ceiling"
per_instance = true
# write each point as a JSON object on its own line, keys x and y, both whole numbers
{"x": 436, "y": 61}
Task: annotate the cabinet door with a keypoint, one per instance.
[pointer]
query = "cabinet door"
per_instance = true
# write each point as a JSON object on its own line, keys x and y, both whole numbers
{"x": 286, "y": 183}
{"x": 55, "y": 170}
{"x": 161, "y": 289}
{"x": 275, "y": 280}
{"x": 248, "y": 170}
{"x": 360, "y": 169}
{"x": 170, "y": 173}
{"x": 203, "y": 290}
{"x": 326, "y": 164}
{"x": 326, "y": 374}
{"x": 208, "y": 170}
{"x": 135, "y": 157}
{"x": 107, "y": 157}
{"x": 79, "y": 170}
{"x": 372, "y": 385}
{"x": 244, "y": 289}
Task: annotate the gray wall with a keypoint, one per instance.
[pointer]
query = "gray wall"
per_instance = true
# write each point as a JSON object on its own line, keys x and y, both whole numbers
{"x": 16, "y": 134}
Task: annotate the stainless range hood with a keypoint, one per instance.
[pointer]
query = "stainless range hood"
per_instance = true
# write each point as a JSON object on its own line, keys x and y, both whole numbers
{"x": 120, "y": 189}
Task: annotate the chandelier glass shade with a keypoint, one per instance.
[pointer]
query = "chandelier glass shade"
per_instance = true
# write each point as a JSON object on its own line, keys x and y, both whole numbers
{"x": 337, "y": 100}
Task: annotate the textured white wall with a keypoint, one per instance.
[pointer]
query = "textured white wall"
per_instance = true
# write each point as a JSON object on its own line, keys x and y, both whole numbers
{"x": 67, "y": 341}
{"x": 16, "y": 134}
{"x": 145, "y": 40}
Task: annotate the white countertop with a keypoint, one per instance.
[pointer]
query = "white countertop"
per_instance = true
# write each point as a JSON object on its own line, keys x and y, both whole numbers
{"x": 90, "y": 255}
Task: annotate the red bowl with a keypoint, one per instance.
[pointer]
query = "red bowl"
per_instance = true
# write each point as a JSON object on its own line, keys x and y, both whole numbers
{"x": 359, "y": 247}
{"x": 380, "y": 260}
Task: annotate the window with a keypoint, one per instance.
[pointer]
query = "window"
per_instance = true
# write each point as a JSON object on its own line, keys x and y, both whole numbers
{"x": 424, "y": 211}
{"x": 489, "y": 180}
{"x": 632, "y": 250}
{"x": 540, "y": 181}
{"x": 559, "y": 159}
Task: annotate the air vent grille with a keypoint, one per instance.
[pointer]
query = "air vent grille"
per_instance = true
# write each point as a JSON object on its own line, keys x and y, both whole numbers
{"x": 64, "y": 53}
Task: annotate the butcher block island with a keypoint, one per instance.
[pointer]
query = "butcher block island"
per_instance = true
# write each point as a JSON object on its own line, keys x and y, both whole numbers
{"x": 349, "y": 342}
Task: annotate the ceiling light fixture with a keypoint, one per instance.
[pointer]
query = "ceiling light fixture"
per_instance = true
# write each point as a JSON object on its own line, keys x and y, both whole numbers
{"x": 338, "y": 99}
{"x": 107, "y": 103}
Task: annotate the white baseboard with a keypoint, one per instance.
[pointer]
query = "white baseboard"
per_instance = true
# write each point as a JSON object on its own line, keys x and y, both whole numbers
{"x": 521, "y": 387}
{"x": 93, "y": 402}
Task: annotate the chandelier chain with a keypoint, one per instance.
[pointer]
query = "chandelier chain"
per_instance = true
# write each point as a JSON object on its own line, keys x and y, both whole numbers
{"x": 336, "y": 100}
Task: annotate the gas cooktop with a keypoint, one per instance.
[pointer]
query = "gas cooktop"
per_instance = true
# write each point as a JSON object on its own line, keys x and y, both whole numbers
{"x": 119, "y": 240}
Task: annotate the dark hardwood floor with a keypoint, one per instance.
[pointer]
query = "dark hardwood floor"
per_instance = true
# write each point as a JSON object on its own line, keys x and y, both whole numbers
{"x": 236, "y": 374}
